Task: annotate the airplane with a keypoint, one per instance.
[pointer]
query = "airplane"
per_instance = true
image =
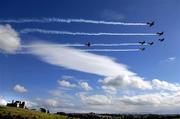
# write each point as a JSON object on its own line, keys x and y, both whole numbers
{"x": 151, "y": 43}
{"x": 88, "y": 44}
{"x": 160, "y": 33}
{"x": 161, "y": 40}
{"x": 142, "y": 49}
{"x": 142, "y": 43}
{"x": 150, "y": 23}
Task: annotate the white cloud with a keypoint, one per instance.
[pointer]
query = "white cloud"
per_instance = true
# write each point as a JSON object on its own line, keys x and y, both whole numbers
{"x": 111, "y": 84}
{"x": 75, "y": 59}
{"x": 66, "y": 84}
{"x": 9, "y": 39}
{"x": 147, "y": 99}
{"x": 94, "y": 100}
{"x": 85, "y": 86}
{"x": 3, "y": 102}
{"x": 171, "y": 59}
{"x": 20, "y": 89}
{"x": 164, "y": 85}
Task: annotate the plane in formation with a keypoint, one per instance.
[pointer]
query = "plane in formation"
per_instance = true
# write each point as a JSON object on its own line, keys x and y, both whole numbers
{"x": 150, "y": 23}
{"x": 161, "y": 40}
{"x": 142, "y": 49}
{"x": 88, "y": 44}
{"x": 151, "y": 43}
{"x": 142, "y": 43}
{"x": 160, "y": 33}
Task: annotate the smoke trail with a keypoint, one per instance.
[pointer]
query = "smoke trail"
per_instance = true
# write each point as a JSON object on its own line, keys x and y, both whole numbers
{"x": 55, "y": 45}
{"x": 120, "y": 44}
{"x": 87, "y": 50}
{"x": 59, "y": 20}
{"x": 82, "y": 45}
{"x": 43, "y": 31}
{"x": 111, "y": 50}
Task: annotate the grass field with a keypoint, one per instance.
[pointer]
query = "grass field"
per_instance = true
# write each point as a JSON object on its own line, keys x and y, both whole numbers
{"x": 17, "y": 113}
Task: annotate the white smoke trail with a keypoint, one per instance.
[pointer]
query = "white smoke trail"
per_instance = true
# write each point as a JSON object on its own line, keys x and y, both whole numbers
{"x": 82, "y": 45}
{"x": 87, "y": 50}
{"x": 111, "y": 50}
{"x": 43, "y": 31}
{"x": 59, "y": 20}
{"x": 55, "y": 45}
{"x": 119, "y": 44}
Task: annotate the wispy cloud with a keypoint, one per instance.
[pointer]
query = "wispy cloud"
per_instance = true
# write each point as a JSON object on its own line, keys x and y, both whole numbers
{"x": 169, "y": 59}
{"x": 112, "y": 15}
{"x": 67, "y": 77}
{"x": 71, "y": 58}
{"x": 56, "y": 93}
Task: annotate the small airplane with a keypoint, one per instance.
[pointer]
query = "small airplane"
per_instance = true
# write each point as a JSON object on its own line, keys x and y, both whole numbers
{"x": 142, "y": 43}
{"x": 142, "y": 49}
{"x": 160, "y": 33}
{"x": 151, "y": 43}
{"x": 88, "y": 44}
{"x": 150, "y": 23}
{"x": 161, "y": 40}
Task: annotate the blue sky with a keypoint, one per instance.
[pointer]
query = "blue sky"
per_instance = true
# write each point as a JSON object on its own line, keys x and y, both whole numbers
{"x": 33, "y": 78}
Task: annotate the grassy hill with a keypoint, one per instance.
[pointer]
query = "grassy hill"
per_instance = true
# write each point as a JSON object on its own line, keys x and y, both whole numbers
{"x": 17, "y": 113}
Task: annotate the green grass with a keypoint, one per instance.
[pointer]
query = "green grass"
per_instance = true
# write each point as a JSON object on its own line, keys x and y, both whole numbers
{"x": 17, "y": 113}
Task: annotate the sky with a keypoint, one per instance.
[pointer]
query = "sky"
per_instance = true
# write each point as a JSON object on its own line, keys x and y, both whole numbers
{"x": 36, "y": 68}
